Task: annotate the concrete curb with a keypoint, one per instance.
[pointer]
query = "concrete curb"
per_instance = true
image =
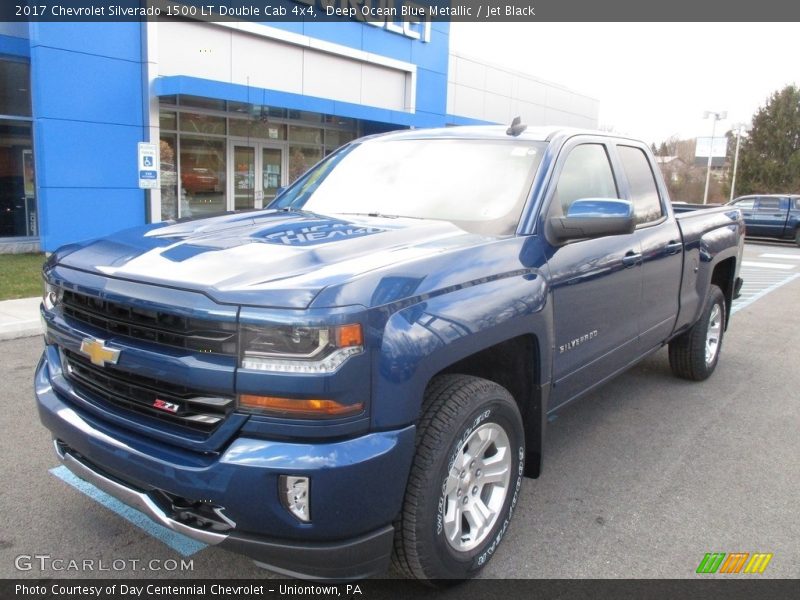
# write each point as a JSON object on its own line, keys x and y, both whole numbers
{"x": 20, "y": 318}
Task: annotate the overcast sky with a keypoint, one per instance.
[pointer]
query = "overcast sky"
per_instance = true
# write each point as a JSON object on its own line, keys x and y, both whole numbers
{"x": 653, "y": 80}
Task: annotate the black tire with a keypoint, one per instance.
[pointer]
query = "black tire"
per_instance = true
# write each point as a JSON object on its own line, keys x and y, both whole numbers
{"x": 455, "y": 407}
{"x": 687, "y": 352}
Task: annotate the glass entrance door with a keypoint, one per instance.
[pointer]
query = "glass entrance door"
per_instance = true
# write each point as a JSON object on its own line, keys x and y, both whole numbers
{"x": 244, "y": 177}
{"x": 271, "y": 173}
{"x": 257, "y": 174}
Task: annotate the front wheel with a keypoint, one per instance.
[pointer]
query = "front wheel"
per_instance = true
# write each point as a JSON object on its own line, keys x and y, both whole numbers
{"x": 695, "y": 353}
{"x": 464, "y": 481}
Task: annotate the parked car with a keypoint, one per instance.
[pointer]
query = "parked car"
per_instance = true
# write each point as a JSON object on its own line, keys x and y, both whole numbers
{"x": 365, "y": 368}
{"x": 771, "y": 216}
{"x": 199, "y": 180}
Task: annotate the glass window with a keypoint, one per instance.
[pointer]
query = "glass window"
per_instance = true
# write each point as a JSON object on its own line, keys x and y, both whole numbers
{"x": 168, "y": 100}
{"x": 769, "y": 204}
{"x": 305, "y": 135}
{"x": 340, "y": 121}
{"x": 586, "y": 174}
{"x": 335, "y": 137}
{"x": 202, "y": 176}
{"x": 169, "y": 176}
{"x": 196, "y": 123}
{"x": 301, "y": 160}
{"x": 642, "y": 184}
{"x": 480, "y": 185}
{"x": 746, "y": 204}
{"x": 199, "y": 102}
{"x": 18, "y": 212}
{"x": 251, "y": 128}
{"x": 168, "y": 120}
{"x": 15, "y": 88}
{"x": 302, "y": 115}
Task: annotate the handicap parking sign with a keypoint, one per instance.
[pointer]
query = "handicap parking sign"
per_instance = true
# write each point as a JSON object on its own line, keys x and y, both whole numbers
{"x": 148, "y": 165}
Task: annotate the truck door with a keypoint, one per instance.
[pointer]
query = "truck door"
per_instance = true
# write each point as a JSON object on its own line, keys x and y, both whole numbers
{"x": 769, "y": 217}
{"x": 662, "y": 247}
{"x": 596, "y": 284}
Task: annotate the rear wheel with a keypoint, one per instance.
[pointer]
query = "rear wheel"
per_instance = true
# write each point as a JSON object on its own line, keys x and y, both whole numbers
{"x": 695, "y": 353}
{"x": 464, "y": 480}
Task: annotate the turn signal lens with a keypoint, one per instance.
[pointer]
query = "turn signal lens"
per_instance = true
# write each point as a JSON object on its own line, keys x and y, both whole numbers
{"x": 301, "y": 409}
{"x": 349, "y": 335}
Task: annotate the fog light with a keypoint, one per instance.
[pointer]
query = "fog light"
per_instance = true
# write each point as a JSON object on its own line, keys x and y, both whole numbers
{"x": 294, "y": 493}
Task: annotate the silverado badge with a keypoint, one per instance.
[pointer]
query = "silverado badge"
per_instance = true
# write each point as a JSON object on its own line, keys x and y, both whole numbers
{"x": 98, "y": 352}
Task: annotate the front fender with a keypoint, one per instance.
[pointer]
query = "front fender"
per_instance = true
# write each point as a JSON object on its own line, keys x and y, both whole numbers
{"x": 421, "y": 340}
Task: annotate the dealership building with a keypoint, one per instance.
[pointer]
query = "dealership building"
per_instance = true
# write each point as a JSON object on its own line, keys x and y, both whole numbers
{"x": 233, "y": 110}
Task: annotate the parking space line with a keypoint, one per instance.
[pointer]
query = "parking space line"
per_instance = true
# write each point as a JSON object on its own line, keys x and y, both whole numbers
{"x": 766, "y": 265}
{"x": 178, "y": 542}
{"x": 773, "y": 255}
{"x": 744, "y": 303}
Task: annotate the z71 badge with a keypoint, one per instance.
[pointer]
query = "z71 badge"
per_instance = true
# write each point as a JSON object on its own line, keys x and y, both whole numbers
{"x": 167, "y": 406}
{"x": 572, "y": 344}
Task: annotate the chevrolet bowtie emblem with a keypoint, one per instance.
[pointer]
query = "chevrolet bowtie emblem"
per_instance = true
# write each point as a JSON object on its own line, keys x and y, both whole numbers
{"x": 98, "y": 352}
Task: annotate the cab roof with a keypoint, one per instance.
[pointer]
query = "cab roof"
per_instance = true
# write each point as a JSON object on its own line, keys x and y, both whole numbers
{"x": 491, "y": 132}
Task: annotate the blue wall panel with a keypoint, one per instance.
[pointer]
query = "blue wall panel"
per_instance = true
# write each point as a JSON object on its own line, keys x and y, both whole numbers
{"x": 114, "y": 40}
{"x": 88, "y": 103}
{"x": 85, "y": 154}
{"x": 85, "y": 87}
{"x": 77, "y": 214}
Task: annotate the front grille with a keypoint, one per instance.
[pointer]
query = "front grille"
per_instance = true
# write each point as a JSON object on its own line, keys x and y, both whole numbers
{"x": 154, "y": 326}
{"x": 198, "y": 410}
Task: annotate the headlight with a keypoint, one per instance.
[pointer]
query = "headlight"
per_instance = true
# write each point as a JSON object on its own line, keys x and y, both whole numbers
{"x": 52, "y": 295}
{"x": 298, "y": 349}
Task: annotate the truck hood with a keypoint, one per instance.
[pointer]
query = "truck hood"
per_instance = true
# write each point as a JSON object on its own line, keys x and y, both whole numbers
{"x": 266, "y": 258}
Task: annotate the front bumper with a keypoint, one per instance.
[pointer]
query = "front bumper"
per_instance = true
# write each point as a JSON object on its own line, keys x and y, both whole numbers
{"x": 357, "y": 486}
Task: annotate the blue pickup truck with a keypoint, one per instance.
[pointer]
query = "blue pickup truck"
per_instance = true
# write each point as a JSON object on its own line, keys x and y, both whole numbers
{"x": 362, "y": 371}
{"x": 771, "y": 216}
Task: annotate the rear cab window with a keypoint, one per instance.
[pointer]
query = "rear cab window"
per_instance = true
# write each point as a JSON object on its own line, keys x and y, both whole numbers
{"x": 746, "y": 204}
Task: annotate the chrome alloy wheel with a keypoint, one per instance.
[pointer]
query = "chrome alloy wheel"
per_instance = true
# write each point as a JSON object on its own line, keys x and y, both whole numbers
{"x": 713, "y": 333}
{"x": 476, "y": 487}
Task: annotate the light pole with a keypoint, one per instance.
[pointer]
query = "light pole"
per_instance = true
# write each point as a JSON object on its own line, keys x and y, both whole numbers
{"x": 717, "y": 116}
{"x": 738, "y": 127}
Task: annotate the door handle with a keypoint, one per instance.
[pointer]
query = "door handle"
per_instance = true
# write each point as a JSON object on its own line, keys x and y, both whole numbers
{"x": 674, "y": 247}
{"x": 631, "y": 258}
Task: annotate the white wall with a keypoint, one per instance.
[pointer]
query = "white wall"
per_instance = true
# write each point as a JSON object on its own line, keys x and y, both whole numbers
{"x": 478, "y": 90}
{"x": 267, "y": 58}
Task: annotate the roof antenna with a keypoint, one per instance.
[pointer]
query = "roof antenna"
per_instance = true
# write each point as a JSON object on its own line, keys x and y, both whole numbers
{"x": 517, "y": 127}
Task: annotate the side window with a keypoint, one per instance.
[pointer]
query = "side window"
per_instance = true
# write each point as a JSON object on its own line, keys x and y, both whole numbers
{"x": 644, "y": 191}
{"x": 586, "y": 174}
{"x": 746, "y": 204}
{"x": 769, "y": 204}
{"x": 797, "y": 203}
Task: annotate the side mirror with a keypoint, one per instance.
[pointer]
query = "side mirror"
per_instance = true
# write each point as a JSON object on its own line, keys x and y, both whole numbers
{"x": 592, "y": 218}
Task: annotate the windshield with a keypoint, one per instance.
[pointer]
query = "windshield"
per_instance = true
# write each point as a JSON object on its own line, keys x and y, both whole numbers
{"x": 481, "y": 185}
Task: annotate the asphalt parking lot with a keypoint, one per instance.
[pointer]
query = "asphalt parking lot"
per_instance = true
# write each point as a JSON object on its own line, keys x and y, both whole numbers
{"x": 641, "y": 478}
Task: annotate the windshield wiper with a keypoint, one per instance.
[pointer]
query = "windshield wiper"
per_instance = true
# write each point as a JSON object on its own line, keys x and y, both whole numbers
{"x": 378, "y": 215}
